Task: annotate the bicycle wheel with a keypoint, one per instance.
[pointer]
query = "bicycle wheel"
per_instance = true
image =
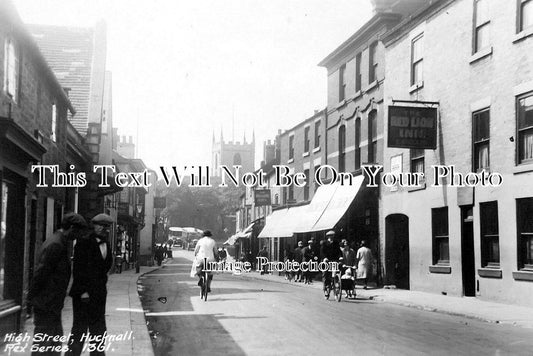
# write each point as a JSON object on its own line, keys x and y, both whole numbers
{"x": 327, "y": 290}
{"x": 337, "y": 286}
{"x": 205, "y": 286}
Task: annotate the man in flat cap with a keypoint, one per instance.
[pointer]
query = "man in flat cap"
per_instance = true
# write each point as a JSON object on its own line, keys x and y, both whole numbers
{"x": 50, "y": 281}
{"x": 92, "y": 261}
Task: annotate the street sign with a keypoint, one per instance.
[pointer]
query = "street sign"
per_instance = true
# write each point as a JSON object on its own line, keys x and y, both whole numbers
{"x": 262, "y": 197}
{"x": 412, "y": 127}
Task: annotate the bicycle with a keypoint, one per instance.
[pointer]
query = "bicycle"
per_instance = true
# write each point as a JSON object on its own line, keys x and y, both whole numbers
{"x": 204, "y": 288}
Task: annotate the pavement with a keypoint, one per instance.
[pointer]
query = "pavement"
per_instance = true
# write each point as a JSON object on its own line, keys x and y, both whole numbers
{"x": 469, "y": 307}
{"x": 124, "y": 317}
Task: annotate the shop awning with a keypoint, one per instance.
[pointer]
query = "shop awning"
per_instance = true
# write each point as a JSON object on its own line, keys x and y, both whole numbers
{"x": 339, "y": 202}
{"x": 246, "y": 233}
{"x": 283, "y": 222}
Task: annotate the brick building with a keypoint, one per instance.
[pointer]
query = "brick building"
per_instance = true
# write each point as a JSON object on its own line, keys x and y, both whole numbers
{"x": 472, "y": 60}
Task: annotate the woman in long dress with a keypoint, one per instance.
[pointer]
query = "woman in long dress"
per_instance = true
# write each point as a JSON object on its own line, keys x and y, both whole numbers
{"x": 364, "y": 266}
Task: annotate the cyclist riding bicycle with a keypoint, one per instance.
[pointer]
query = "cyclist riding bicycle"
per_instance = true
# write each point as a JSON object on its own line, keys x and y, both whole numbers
{"x": 205, "y": 251}
{"x": 332, "y": 253}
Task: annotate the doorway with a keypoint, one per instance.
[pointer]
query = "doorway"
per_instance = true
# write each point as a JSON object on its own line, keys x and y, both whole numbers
{"x": 397, "y": 250}
{"x": 467, "y": 251}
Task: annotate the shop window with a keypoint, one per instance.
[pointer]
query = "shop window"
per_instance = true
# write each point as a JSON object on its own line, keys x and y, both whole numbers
{"x": 480, "y": 137}
{"x": 3, "y": 227}
{"x": 306, "y": 139}
{"x": 372, "y": 137}
{"x": 342, "y": 82}
{"x": 490, "y": 241}
{"x": 525, "y": 14}
{"x": 524, "y": 214}
{"x": 317, "y": 134}
{"x": 441, "y": 248}
{"x": 481, "y": 25}
{"x": 417, "y": 60}
{"x": 342, "y": 148}
{"x": 417, "y": 160}
{"x": 525, "y": 128}
{"x": 372, "y": 63}
{"x": 358, "y": 76}
{"x": 11, "y": 69}
{"x": 358, "y": 143}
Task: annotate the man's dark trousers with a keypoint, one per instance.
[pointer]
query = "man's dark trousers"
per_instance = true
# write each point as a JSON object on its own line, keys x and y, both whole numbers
{"x": 88, "y": 314}
{"x": 47, "y": 323}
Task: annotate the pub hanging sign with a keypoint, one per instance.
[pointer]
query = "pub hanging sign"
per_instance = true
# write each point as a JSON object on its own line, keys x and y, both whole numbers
{"x": 412, "y": 127}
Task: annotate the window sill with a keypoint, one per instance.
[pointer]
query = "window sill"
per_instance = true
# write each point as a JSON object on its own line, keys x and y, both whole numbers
{"x": 489, "y": 272}
{"x": 415, "y": 189}
{"x": 523, "y": 34}
{"x": 8, "y": 307}
{"x": 358, "y": 94}
{"x": 440, "y": 269}
{"x": 523, "y": 168}
{"x": 371, "y": 86}
{"x": 523, "y": 275}
{"x": 341, "y": 104}
{"x": 316, "y": 149}
{"x": 480, "y": 54}
{"x": 415, "y": 87}
{"x": 305, "y": 154}
{"x": 291, "y": 160}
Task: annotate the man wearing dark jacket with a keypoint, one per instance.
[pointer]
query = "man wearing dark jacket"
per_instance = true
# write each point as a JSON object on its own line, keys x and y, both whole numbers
{"x": 50, "y": 281}
{"x": 92, "y": 261}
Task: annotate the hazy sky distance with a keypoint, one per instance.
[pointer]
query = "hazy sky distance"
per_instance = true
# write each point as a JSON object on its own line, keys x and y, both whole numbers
{"x": 182, "y": 69}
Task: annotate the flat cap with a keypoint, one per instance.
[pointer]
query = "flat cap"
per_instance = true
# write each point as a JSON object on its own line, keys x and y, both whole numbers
{"x": 102, "y": 219}
{"x": 330, "y": 233}
{"x": 74, "y": 219}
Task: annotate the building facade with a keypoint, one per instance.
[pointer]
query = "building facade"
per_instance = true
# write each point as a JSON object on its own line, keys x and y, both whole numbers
{"x": 473, "y": 62}
{"x": 232, "y": 153}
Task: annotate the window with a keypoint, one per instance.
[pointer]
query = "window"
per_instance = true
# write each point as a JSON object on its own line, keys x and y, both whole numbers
{"x": 417, "y": 60}
{"x": 480, "y": 139}
{"x": 441, "y": 249}
{"x": 11, "y": 69}
{"x": 317, "y": 134}
{"x": 291, "y": 147}
{"x": 291, "y": 194}
{"x": 342, "y": 148}
{"x": 417, "y": 160}
{"x": 481, "y": 25}
{"x": 358, "y": 143}
{"x": 372, "y": 62}
{"x": 525, "y": 128}
{"x": 306, "y": 138}
{"x": 342, "y": 82}
{"x": 237, "y": 160}
{"x": 314, "y": 176}
{"x": 358, "y": 72}
{"x": 53, "y": 136}
{"x": 524, "y": 215}
{"x": 306, "y": 187}
{"x": 525, "y": 15}
{"x": 490, "y": 246}
{"x": 372, "y": 137}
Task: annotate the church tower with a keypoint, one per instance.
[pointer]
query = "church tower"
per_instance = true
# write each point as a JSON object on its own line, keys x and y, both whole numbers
{"x": 232, "y": 153}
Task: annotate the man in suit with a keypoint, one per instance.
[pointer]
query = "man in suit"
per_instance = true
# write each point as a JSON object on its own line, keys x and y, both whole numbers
{"x": 92, "y": 261}
{"x": 298, "y": 257}
{"x": 50, "y": 281}
{"x": 308, "y": 256}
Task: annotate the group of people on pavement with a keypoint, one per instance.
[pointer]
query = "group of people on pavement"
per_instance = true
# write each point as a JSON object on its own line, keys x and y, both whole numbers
{"x": 333, "y": 251}
{"x": 91, "y": 262}
{"x": 161, "y": 252}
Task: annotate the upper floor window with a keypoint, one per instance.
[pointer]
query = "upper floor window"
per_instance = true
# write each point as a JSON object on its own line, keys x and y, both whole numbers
{"x": 11, "y": 69}
{"x": 358, "y": 75}
{"x": 306, "y": 186}
{"x": 525, "y": 128}
{"x": 342, "y": 82}
{"x": 317, "y": 133}
{"x": 524, "y": 217}
{"x": 53, "y": 135}
{"x": 372, "y": 62}
{"x": 525, "y": 15}
{"x": 417, "y": 58}
{"x": 342, "y": 148}
{"x": 358, "y": 143}
{"x": 372, "y": 137}
{"x": 291, "y": 147}
{"x": 481, "y": 25}
{"x": 417, "y": 160}
{"x": 480, "y": 138}
{"x": 306, "y": 138}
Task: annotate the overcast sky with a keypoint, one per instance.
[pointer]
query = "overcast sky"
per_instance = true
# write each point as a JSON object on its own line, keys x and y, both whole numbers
{"x": 182, "y": 69}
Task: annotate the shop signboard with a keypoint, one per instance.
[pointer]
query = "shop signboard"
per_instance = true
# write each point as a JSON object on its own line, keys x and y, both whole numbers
{"x": 412, "y": 127}
{"x": 262, "y": 197}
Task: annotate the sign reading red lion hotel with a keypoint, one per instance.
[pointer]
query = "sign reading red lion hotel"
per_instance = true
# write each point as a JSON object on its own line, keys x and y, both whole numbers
{"x": 412, "y": 127}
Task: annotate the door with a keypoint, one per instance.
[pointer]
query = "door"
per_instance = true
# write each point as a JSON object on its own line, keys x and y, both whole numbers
{"x": 467, "y": 251}
{"x": 397, "y": 251}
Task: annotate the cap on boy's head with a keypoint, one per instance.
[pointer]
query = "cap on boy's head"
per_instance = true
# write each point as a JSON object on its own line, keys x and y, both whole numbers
{"x": 208, "y": 233}
{"x": 300, "y": 243}
{"x": 330, "y": 233}
{"x": 310, "y": 242}
{"x": 102, "y": 219}
{"x": 73, "y": 219}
